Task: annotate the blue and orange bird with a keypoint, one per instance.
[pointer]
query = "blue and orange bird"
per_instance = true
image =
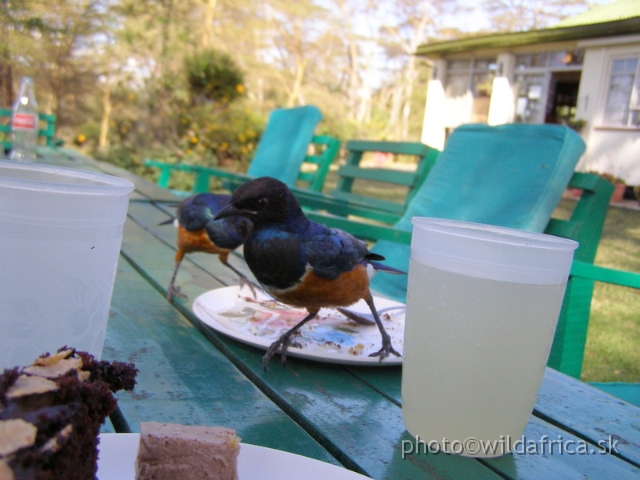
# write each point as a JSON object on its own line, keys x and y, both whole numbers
{"x": 198, "y": 231}
{"x": 300, "y": 262}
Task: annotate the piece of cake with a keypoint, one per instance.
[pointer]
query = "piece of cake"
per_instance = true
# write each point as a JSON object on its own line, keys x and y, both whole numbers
{"x": 176, "y": 452}
{"x": 51, "y": 413}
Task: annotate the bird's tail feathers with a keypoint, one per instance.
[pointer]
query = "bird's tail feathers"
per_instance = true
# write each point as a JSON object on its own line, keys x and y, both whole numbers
{"x": 167, "y": 222}
{"x": 387, "y": 269}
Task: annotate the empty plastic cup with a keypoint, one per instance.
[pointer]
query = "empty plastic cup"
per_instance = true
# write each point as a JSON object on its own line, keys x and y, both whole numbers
{"x": 60, "y": 238}
{"x": 482, "y": 307}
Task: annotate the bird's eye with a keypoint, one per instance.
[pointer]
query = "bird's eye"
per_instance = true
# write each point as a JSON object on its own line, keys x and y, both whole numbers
{"x": 262, "y": 202}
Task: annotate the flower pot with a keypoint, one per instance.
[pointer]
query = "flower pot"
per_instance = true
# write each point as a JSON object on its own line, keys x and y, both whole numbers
{"x": 618, "y": 193}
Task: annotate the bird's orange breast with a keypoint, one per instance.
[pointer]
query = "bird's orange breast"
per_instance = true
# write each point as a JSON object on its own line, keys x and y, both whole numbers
{"x": 314, "y": 292}
{"x": 195, "y": 241}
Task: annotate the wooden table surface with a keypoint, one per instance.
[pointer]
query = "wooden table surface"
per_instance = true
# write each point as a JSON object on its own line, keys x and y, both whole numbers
{"x": 345, "y": 415}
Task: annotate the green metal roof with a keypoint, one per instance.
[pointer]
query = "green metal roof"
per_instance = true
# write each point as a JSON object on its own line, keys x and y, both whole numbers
{"x": 618, "y": 18}
{"x": 604, "y": 13}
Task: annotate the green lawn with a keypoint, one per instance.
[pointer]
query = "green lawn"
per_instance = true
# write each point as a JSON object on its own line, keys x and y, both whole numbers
{"x": 613, "y": 342}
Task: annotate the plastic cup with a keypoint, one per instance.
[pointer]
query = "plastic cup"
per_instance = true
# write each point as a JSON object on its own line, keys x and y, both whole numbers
{"x": 482, "y": 307}
{"x": 60, "y": 238}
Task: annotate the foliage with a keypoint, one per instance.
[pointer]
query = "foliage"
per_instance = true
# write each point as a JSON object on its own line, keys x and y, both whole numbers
{"x": 214, "y": 76}
{"x": 610, "y": 177}
{"x": 520, "y": 15}
{"x": 141, "y": 75}
{"x": 206, "y": 135}
{"x": 228, "y": 137}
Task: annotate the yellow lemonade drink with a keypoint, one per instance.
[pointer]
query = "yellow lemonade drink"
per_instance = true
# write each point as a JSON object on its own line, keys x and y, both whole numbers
{"x": 479, "y": 326}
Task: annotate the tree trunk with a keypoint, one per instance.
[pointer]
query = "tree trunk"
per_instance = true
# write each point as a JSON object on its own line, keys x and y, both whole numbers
{"x": 106, "y": 115}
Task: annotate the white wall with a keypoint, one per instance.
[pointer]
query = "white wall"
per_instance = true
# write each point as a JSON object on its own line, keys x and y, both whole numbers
{"x": 609, "y": 149}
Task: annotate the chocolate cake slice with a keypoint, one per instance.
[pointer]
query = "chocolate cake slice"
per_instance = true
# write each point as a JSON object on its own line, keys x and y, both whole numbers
{"x": 51, "y": 413}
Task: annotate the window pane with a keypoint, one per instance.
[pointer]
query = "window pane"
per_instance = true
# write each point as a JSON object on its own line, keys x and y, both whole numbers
{"x": 565, "y": 58}
{"x": 457, "y": 85}
{"x": 530, "y": 95}
{"x": 457, "y": 65}
{"x": 481, "y": 84}
{"x": 624, "y": 65}
{"x": 485, "y": 64}
{"x": 531, "y": 60}
{"x": 618, "y": 96}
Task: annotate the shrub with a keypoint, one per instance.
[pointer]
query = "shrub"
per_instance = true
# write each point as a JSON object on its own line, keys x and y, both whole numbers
{"x": 213, "y": 76}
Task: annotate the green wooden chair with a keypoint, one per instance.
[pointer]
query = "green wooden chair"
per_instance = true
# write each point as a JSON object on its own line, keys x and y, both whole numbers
{"x": 514, "y": 176}
{"x": 47, "y": 131}
{"x": 281, "y": 152}
{"x": 344, "y": 201}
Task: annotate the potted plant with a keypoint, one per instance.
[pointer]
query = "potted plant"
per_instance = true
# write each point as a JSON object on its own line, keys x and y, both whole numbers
{"x": 619, "y": 184}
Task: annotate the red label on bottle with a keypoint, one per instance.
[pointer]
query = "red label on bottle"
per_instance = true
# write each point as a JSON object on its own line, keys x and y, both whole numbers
{"x": 24, "y": 121}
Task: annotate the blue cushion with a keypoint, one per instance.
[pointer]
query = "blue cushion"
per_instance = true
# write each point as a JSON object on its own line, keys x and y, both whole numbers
{"x": 284, "y": 143}
{"x": 509, "y": 175}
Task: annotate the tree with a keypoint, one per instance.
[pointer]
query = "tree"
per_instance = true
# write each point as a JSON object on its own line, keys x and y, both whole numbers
{"x": 408, "y": 23}
{"x": 519, "y": 15}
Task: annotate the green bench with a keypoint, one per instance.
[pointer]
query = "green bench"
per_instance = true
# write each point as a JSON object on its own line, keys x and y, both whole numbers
{"x": 345, "y": 200}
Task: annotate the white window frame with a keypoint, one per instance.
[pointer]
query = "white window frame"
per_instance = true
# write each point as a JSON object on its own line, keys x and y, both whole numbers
{"x": 634, "y": 96}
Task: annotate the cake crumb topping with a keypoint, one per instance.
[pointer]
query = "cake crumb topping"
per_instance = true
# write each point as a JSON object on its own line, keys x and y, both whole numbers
{"x": 16, "y": 434}
{"x": 56, "y": 442}
{"x": 54, "y": 370}
{"x": 49, "y": 359}
{"x": 29, "y": 385}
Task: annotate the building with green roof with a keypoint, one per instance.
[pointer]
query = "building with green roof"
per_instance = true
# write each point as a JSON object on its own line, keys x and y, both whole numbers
{"x": 583, "y": 72}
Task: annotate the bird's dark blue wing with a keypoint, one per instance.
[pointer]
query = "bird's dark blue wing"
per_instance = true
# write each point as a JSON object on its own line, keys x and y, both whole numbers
{"x": 331, "y": 252}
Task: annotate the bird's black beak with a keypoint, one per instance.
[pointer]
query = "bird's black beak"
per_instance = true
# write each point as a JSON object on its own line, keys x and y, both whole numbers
{"x": 231, "y": 211}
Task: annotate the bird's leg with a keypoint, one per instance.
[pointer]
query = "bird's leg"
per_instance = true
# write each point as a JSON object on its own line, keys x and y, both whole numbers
{"x": 243, "y": 278}
{"x": 387, "y": 347}
{"x": 172, "y": 290}
{"x": 283, "y": 341}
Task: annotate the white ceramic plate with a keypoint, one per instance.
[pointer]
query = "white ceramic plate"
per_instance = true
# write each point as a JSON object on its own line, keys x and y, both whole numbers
{"x": 118, "y": 453}
{"x": 331, "y": 337}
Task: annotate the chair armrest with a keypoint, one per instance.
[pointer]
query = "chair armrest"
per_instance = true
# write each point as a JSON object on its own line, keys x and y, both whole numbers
{"x": 202, "y": 175}
{"x": 606, "y": 275}
{"x": 334, "y": 205}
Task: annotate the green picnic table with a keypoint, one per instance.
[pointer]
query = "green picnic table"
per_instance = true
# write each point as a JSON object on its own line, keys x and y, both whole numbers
{"x": 341, "y": 414}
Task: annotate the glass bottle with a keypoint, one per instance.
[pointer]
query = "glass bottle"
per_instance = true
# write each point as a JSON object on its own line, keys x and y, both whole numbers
{"x": 24, "y": 123}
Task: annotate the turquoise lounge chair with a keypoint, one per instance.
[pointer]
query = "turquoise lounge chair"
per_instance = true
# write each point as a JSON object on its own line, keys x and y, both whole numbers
{"x": 510, "y": 175}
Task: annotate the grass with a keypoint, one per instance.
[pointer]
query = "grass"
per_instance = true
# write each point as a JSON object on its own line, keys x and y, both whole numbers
{"x": 612, "y": 352}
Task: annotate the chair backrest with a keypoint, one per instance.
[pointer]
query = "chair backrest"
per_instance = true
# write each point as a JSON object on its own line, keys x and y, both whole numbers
{"x": 347, "y": 201}
{"x": 315, "y": 167}
{"x": 47, "y": 128}
{"x": 284, "y": 143}
{"x": 353, "y": 171}
{"x": 509, "y": 175}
